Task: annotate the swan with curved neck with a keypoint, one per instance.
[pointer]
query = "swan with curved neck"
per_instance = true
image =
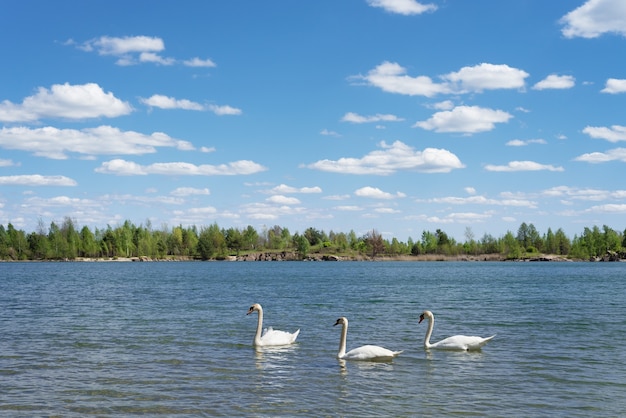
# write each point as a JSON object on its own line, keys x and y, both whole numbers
{"x": 456, "y": 342}
{"x": 270, "y": 337}
{"x": 366, "y": 352}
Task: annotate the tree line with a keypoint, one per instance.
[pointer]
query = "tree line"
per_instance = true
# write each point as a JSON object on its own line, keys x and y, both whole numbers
{"x": 67, "y": 241}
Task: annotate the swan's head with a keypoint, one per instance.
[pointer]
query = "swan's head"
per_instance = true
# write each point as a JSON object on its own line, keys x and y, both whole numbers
{"x": 254, "y": 308}
{"x": 342, "y": 321}
{"x": 425, "y": 315}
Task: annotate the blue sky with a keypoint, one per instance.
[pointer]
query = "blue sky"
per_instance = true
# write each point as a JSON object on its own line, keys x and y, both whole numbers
{"x": 394, "y": 115}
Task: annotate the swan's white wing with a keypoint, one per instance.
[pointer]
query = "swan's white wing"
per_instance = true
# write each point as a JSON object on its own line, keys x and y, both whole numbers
{"x": 370, "y": 352}
{"x": 461, "y": 342}
{"x": 275, "y": 337}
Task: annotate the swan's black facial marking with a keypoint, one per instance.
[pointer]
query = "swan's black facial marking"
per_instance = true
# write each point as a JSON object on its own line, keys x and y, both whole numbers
{"x": 421, "y": 318}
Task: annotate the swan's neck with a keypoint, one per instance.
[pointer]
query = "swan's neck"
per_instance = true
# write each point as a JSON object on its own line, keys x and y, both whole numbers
{"x": 429, "y": 331}
{"x": 259, "y": 328}
{"x": 342, "y": 340}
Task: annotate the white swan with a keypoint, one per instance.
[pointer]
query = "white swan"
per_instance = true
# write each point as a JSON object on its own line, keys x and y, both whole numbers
{"x": 366, "y": 352}
{"x": 270, "y": 337}
{"x": 456, "y": 342}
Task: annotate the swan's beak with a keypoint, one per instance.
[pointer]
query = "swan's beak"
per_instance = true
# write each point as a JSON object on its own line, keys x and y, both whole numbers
{"x": 421, "y": 318}
{"x": 338, "y": 322}
{"x": 250, "y": 311}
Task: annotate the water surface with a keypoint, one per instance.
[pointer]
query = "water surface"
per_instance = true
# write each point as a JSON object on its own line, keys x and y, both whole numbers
{"x": 172, "y": 339}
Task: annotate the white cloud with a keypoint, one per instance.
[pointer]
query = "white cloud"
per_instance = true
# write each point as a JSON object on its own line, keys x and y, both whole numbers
{"x": 164, "y": 102}
{"x": 392, "y": 158}
{"x": 591, "y": 195}
{"x": 197, "y": 62}
{"x": 106, "y": 45}
{"x": 616, "y": 154}
{"x": 129, "y": 168}
{"x": 224, "y": 110}
{"x": 283, "y": 200}
{"x": 54, "y": 143}
{"x": 554, "y": 81}
{"x": 189, "y": 191}
{"x": 465, "y": 119}
{"x": 594, "y": 18}
{"x": 608, "y": 208}
{"x": 392, "y": 78}
{"x": 524, "y": 142}
{"x": 356, "y": 118}
{"x": 615, "y": 133}
{"x": 444, "y": 105}
{"x": 486, "y": 77}
{"x": 470, "y": 190}
{"x": 6, "y": 163}
{"x": 376, "y": 193}
{"x": 155, "y": 58}
{"x": 614, "y": 86}
{"x": 403, "y": 7}
{"x": 348, "y": 208}
{"x": 327, "y": 132}
{"x": 36, "y": 180}
{"x": 481, "y": 200}
{"x": 522, "y": 166}
{"x": 65, "y": 101}
{"x": 284, "y": 189}
{"x": 129, "y": 49}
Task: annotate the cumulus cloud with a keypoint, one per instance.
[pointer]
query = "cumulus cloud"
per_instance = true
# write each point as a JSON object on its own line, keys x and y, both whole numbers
{"x": 482, "y": 200}
{"x": 65, "y": 101}
{"x": 614, "y": 86}
{"x": 403, "y": 7}
{"x": 285, "y": 189}
{"x": 165, "y": 102}
{"x": 6, "y": 163}
{"x": 224, "y": 110}
{"x": 376, "y": 193}
{"x": 327, "y": 132}
{"x": 615, "y": 133}
{"x": 524, "y": 142}
{"x": 522, "y": 166}
{"x": 595, "y": 18}
{"x": 465, "y": 119}
{"x": 356, "y": 118}
{"x": 36, "y": 180}
{"x": 283, "y": 200}
{"x": 131, "y": 50}
{"x": 198, "y": 62}
{"x": 486, "y": 76}
{"x": 392, "y": 158}
{"x": 554, "y": 81}
{"x": 55, "y": 143}
{"x": 129, "y": 168}
{"x": 616, "y": 154}
{"x": 189, "y": 191}
{"x": 392, "y": 78}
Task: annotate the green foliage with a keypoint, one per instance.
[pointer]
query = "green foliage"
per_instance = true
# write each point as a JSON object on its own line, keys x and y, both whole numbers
{"x": 66, "y": 241}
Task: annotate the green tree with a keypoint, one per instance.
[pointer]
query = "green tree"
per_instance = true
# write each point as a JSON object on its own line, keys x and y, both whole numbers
{"x": 302, "y": 245}
{"x": 211, "y": 242}
{"x": 375, "y": 243}
{"x": 511, "y": 246}
{"x": 88, "y": 244}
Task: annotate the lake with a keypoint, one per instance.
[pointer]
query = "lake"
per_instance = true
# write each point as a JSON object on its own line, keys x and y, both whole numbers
{"x": 173, "y": 339}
